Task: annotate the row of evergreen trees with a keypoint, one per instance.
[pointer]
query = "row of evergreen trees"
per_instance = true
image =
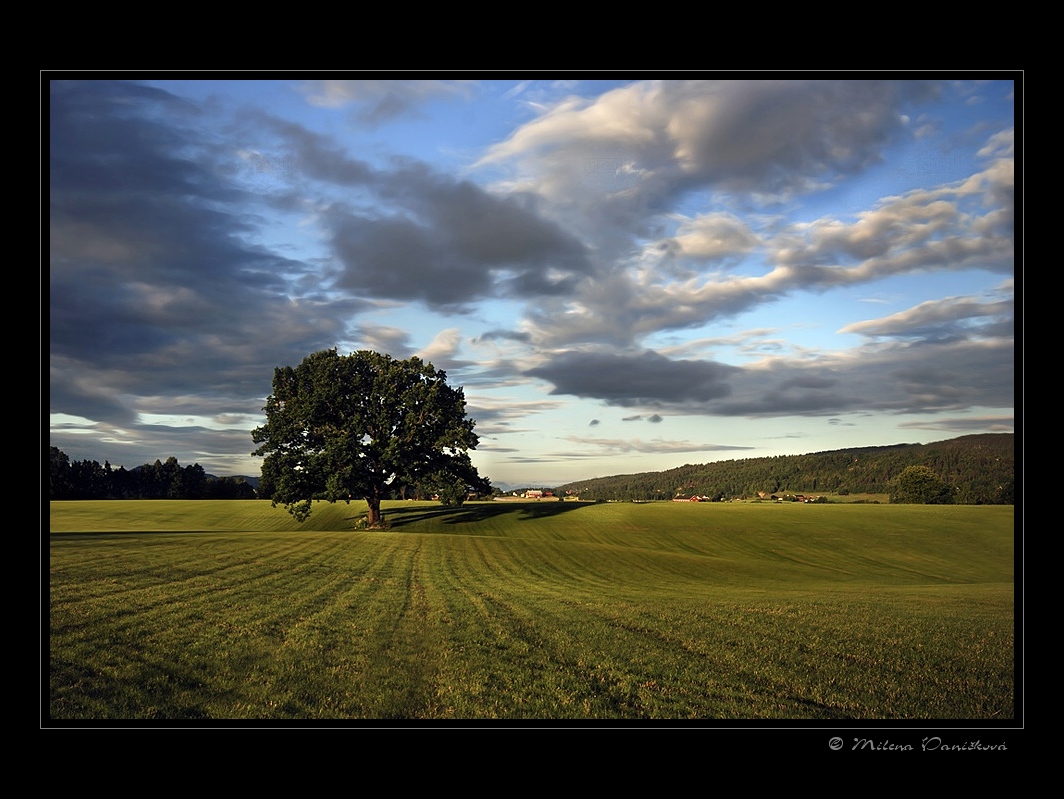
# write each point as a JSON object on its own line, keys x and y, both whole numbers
{"x": 160, "y": 480}
{"x": 977, "y": 469}
{"x": 169, "y": 480}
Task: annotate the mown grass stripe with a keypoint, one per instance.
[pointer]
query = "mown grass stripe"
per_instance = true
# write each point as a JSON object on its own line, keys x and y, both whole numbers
{"x": 485, "y": 613}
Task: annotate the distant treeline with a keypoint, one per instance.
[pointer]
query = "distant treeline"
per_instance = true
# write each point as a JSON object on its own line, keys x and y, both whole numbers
{"x": 160, "y": 480}
{"x": 979, "y": 470}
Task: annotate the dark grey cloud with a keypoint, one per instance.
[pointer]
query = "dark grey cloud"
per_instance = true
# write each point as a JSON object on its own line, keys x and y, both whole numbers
{"x": 929, "y": 377}
{"x": 71, "y": 393}
{"x": 635, "y": 379}
{"x": 966, "y": 424}
{"x": 450, "y": 242}
{"x": 405, "y": 231}
{"x": 220, "y": 452}
{"x": 508, "y": 335}
{"x": 156, "y": 285}
{"x": 773, "y": 136}
{"x": 808, "y": 393}
{"x": 145, "y": 248}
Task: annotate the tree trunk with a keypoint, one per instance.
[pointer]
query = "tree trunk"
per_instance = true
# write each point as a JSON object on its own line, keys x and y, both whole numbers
{"x": 373, "y": 519}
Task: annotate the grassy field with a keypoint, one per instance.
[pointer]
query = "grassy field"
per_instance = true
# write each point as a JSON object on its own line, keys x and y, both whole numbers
{"x": 538, "y": 610}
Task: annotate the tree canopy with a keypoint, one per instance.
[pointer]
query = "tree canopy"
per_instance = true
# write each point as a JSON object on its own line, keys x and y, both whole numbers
{"x": 340, "y": 427}
{"x": 920, "y": 485}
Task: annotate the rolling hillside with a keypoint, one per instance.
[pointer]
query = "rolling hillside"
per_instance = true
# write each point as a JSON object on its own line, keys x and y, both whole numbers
{"x": 979, "y": 468}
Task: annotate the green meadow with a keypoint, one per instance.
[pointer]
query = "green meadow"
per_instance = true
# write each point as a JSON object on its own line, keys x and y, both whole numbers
{"x": 168, "y": 610}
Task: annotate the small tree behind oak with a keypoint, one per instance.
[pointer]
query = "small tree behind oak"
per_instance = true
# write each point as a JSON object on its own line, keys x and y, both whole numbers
{"x": 343, "y": 427}
{"x": 919, "y": 485}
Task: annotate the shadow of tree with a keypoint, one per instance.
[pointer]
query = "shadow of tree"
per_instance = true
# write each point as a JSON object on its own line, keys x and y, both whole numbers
{"x": 399, "y": 517}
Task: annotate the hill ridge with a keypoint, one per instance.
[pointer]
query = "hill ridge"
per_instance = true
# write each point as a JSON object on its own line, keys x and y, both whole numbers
{"x": 979, "y": 467}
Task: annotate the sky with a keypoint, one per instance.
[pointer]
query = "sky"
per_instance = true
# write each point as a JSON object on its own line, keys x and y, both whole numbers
{"x": 623, "y": 275}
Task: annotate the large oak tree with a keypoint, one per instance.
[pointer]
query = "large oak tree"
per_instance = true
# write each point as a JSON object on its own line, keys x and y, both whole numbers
{"x": 342, "y": 427}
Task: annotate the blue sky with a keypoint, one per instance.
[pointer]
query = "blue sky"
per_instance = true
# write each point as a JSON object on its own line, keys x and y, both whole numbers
{"x": 624, "y": 275}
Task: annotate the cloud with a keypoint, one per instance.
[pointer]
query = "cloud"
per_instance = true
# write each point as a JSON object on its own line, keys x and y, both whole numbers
{"x": 408, "y": 232}
{"x": 717, "y": 237}
{"x": 426, "y": 236}
{"x": 936, "y": 229}
{"x": 620, "y": 445}
{"x": 954, "y": 228}
{"x": 443, "y": 353}
{"x": 453, "y": 244}
{"x": 393, "y": 341}
{"x": 948, "y": 319}
{"x": 895, "y": 377}
{"x": 660, "y": 143}
{"x": 510, "y": 335}
{"x": 379, "y": 101}
{"x": 143, "y": 250}
{"x": 443, "y": 347}
{"x": 929, "y": 377}
{"x": 668, "y": 137}
{"x": 635, "y": 379}
{"x": 966, "y": 424}
{"x": 155, "y": 285}
{"x": 495, "y": 415}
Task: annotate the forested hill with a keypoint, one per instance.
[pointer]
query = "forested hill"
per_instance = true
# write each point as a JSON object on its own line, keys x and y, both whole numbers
{"x": 979, "y": 468}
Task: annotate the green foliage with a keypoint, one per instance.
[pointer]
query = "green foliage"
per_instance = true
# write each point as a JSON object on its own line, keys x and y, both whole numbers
{"x": 59, "y": 477}
{"x": 918, "y": 485}
{"x": 451, "y": 490}
{"x": 347, "y": 426}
